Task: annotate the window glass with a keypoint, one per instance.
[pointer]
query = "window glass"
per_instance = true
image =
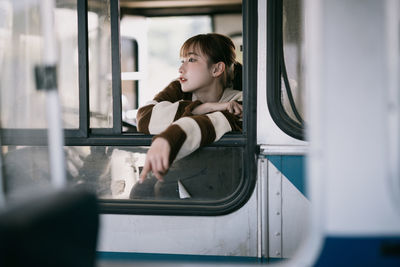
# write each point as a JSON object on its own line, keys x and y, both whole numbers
{"x": 66, "y": 22}
{"x": 100, "y": 82}
{"x": 22, "y": 106}
{"x": 113, "y": 173}
{"x": 25, "y": 170}
{"x": 293, "y": 50}
{"x": 21, "y": 48}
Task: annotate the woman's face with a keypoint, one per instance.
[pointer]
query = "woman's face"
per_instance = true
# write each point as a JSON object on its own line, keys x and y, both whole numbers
{"x": 194, "y": 71}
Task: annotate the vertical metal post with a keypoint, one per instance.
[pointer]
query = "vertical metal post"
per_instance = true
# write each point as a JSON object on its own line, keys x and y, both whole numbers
{"x": 116, "y": 66}
{"x": 84, "y": 115}
{"x": 263, "y": 210}
{"x": 55, "y": 132}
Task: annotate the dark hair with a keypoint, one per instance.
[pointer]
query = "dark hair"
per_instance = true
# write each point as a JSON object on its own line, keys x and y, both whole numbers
{"x": 218, "y": 48}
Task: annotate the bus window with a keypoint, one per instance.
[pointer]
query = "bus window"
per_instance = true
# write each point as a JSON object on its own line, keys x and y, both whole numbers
{"x": 293, "y": 47}
{"x": 114, "y": 57}
{"x": 285, "y": 92}
{"x": 158, "y": 43}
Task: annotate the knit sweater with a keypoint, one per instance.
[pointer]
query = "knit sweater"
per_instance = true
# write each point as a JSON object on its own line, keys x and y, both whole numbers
{"x": 169, "y": 115}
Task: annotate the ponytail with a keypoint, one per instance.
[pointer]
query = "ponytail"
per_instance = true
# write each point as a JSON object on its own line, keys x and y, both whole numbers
{"x": 237, "y": 76}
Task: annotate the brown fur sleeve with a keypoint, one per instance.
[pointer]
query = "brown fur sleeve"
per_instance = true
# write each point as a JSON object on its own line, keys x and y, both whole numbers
{"x": 143, "y": 118}
{"x": 171, "y": 93}
{"x": 189, "y": 133}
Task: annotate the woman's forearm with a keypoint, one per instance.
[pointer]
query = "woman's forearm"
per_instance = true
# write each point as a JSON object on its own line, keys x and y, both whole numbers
{"x": 209, "y": 107}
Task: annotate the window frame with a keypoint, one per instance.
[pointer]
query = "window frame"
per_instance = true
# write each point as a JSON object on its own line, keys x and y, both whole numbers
{"x": 85, "y": 136}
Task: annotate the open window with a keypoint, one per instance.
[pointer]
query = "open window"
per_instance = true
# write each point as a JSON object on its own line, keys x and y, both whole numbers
{"x": 111, "y": 56}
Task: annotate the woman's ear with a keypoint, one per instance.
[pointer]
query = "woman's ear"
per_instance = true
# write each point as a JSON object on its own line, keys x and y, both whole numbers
{"x": 218, "y": 69}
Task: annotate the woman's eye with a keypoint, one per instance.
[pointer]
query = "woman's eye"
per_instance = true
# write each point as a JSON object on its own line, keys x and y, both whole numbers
{"x": 192, "y": 60}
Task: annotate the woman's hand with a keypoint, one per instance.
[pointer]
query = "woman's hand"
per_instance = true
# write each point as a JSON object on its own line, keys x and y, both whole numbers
{"x": 157, "y": 159}
{"x": 235, "y": 108}
{"x": 232, "y": 107}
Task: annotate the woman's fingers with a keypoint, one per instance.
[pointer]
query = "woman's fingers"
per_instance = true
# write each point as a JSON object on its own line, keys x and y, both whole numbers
{"x": 230, "y": 108}
{"x": 154, "y": 165}
{"x": 165, "y": 163}
{"x": 158, "y": 175}
{"x": 159, "y": 169}
{"x": 235, "y": 108}
{"x": 157, "y": 159}
{"x": 145, "y": 171}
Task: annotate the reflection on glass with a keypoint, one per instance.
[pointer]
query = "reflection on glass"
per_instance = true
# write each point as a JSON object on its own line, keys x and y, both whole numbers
{"x": 293, "y": 43}
{"x": 100, "y": 82}
{"x": 21, "y": 49}
{"x": 113, "y": 173}
{"x": 21, "y": 46}
{"x": 66, "y": 25}
{"x": 207, "y": 174}
{"x": 25, "y": 170}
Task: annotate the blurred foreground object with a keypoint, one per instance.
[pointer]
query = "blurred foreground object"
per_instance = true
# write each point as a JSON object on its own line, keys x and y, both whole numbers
{"x": 58, "y": 229}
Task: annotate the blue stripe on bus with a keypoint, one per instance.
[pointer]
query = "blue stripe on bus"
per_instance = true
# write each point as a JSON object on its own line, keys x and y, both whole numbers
{"x": 360, "y": 251}
{"x": 159, "y": 257}
{"x": 293, "y": 167}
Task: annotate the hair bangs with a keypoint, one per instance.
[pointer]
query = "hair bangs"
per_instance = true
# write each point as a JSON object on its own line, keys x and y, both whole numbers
{"x": 192, "y": 45}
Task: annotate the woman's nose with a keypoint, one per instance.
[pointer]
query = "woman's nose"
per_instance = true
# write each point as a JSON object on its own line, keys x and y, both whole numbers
{"x": 181, "y": 68}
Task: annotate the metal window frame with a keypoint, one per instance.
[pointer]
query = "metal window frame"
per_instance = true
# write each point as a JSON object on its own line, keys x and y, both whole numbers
{"x": 83, "y": 63}
{"x": 85, "y": 136}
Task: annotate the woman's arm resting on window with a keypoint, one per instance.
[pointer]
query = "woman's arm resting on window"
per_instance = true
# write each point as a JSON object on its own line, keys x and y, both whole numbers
{"x": 166, "y": 107}
{"x": 172, "y": 93}
{"x": 189, "y": 133}
{"x": 231, "y": 106}
{"x": 185, "y": 136}
{"x": 155, "y": 118}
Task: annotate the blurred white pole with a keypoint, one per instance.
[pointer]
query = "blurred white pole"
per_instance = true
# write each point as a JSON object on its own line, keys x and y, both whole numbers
{"x": 55, "y": 130}
{"x": 392, "y": 17}
{"x": 5, "y": 27}
{"x": 312, "y": 245}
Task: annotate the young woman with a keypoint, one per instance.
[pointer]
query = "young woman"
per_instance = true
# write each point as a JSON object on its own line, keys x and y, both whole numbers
{"x": 196, "y": 109}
